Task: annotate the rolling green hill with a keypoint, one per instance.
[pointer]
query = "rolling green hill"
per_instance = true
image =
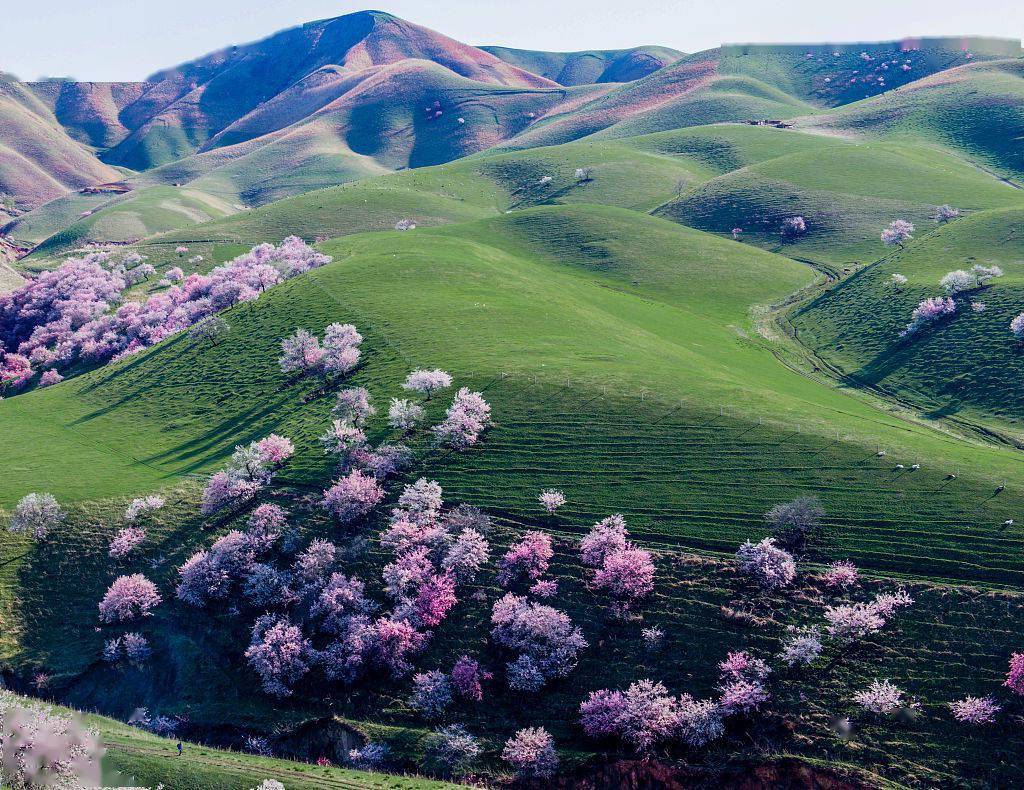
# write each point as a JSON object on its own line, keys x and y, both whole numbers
{"x": 966, "y": 368}
{"x": 975, "y": 110}
{"x": 846, "y": 204}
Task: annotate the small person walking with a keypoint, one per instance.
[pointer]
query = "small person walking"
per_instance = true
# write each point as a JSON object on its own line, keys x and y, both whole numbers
{"x": 179, "y": 748}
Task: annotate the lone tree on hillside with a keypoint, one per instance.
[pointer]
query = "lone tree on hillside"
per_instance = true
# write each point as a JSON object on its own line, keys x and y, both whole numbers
{"x": 584, "y": 174}
{"x": 212, "y": 328}
{"x": 898, "y": 232}
{"x": 792, "y": 523}
{"x": 793, "y": 227}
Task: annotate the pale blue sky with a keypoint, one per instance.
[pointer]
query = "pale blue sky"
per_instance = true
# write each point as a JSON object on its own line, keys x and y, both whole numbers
{"x": 130, "y": 39}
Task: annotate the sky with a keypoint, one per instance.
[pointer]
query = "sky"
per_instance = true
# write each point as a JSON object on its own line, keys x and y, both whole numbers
{"x": 130, "y": 39}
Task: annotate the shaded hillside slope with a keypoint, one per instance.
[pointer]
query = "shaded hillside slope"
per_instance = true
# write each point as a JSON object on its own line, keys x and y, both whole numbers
{"x": 38, "y": 161}
{"x": 91, "y": 112}
{"x": 976, "y": 109}
{"x": 845, "y": 204}
{"x": 970, "y": 366}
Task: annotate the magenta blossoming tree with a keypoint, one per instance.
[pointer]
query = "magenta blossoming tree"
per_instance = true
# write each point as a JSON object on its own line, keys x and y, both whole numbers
{"x": 545, "y": 639}
{"x": 141, "y": 506}
{"x": 945, "y": 212}
{"x": 49, "y": 378}
{"x": 643, "y": 715}
{"x": 274, "y": 450}
{"x": 841, "y": 576}
{"x": 531, "y": 753}
{"x": 125, "y": 542}
{"x": 353, "y": 496}
{"x": 605, "y": 537}
{"x": 279, "y": 654}
{"x": 928, "y": 312}
{"x": 627, "y": 576}
{"x": 301, "y": 353}
{"x": 1017, "y": 326}
{"x": 468, "y": 678}
{"x": 882, "y": 697}
{"x": 353, "y": 406}
{"x": 1015, "y": 676}
{"x": 341, "y": 349}
{"x": 528, "y": 558}
{"x": 128, "y": 598}
{"x": 468, "y": 416}
{"x": 36, "y": 514}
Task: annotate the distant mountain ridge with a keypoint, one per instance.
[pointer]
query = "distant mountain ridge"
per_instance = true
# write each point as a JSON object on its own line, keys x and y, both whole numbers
{"x": 340, "y": 99}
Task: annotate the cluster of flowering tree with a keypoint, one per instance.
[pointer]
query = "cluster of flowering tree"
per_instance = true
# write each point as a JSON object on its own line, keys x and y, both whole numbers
{"x": 544, "y": 639}
{"x": 531, "y": 753}
{"x": 528, "y": 558}
{"x": 468, "y": 416}
{"x": 303, "y": 353}
{"x": 793, "y": 227}
{"x": 621, "y": 569}
{"x": 882, "y": 697}
{"x": 1017, "y": 326}
{"x": 140, "y": 506}
{"x": 851, "y": 622}
{"x": 927, "y": 313}
{"x": 126, "y": 541}
{"x": 36, "y": 515}
{"x": 954, "y": 283}
{"x": 75, "y": 312}
{"x": 250, "y": 469}
{"x": 359, "y": 490}
{"x": 645, "y": 715}
{"x": 946, "y": 213}
{"x": 960, "y": 281}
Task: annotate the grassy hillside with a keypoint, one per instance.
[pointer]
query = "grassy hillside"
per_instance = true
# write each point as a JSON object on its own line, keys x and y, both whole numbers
{"x": 136, "y": 757}
{"x": 190, "y": 106}
{"x": 846, "y": 204}
{"x": 604, "y": 299}
{"x": 639, "y": 173}
{"x": 624, "y": 366}
{"x": 139, "y": 214}
{"x": 975, "y": 110}
{"x": 968, "y": 367}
